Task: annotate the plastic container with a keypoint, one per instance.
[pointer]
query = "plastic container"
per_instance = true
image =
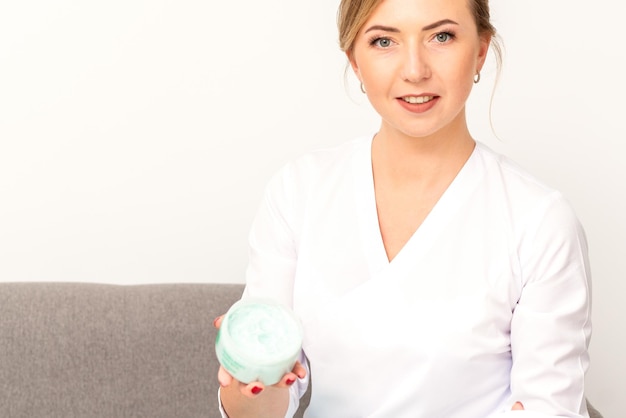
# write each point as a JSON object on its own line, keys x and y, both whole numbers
{"x": 258, "y": 340}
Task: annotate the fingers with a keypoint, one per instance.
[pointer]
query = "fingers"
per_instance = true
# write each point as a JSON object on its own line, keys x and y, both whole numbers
{"x": 250, "y": 390}
{"x": 287, "y": 380}
{"x": 517, "y": 407}
{"x": 299, "y": 370}
{"x": 253, "y": 389}
{"x": 224, "y": 377}
{"x": 217, "y": 322}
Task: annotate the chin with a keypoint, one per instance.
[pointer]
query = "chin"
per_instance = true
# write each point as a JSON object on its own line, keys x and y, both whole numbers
{"x": 422, "y": 133}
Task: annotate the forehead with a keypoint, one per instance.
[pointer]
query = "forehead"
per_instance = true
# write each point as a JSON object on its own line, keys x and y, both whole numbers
{"x": 421, "y": 11}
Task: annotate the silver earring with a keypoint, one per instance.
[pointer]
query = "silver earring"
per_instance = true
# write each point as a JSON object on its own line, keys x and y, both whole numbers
{"x": 477, "y": 77}
{"x": 363, "y": 89}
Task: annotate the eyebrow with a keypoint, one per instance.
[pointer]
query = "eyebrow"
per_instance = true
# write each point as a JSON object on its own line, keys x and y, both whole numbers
{"x": 383, "y": 28}
{"x": 396, "y": 30}
{"x": 439, "y": 23}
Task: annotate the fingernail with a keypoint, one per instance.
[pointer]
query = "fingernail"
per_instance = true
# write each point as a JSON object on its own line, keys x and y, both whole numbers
{"x": 290, "y": 381}
{"x": 256, "y": 390}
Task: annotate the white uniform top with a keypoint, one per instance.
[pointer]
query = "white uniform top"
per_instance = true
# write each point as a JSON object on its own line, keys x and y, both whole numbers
{"x": 488, "y": 303}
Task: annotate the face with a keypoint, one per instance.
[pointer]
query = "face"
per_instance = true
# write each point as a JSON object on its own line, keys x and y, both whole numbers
{"x": 417, "y": 60}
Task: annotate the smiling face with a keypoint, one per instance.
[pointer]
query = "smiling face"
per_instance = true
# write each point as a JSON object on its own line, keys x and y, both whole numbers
{"x": 417, "y": 60}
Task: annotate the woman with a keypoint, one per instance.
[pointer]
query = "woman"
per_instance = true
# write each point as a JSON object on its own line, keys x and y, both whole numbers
{"x": 433, "y": 277}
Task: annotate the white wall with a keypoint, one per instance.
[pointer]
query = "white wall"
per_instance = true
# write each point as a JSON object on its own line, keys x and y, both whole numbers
{"x": 136, "y": 136}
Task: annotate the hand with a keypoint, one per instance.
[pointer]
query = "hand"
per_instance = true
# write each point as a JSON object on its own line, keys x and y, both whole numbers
{"x": 254, "y": 389}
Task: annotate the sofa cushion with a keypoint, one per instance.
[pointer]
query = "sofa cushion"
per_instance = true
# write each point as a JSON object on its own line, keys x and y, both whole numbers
{"x": 94, "y": 350}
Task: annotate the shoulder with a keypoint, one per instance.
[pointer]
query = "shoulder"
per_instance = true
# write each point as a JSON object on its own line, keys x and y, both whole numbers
{"x": 290, "y": 188}
{"x": 521, "y": 191}
{"x": 320, "y": 160}
{"x": 319, "y": 164}
{"x": 502, "y": 168}
{"x": 537, "y": 211}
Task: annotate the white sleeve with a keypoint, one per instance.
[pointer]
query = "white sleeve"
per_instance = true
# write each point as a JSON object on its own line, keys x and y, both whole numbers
{"x": 272, "y": 243}
{"x": 551, "y": 323}
{"x": 272, "y": 258}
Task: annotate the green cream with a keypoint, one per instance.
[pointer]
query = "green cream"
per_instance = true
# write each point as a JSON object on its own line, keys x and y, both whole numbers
{"x": 258, "y": 340}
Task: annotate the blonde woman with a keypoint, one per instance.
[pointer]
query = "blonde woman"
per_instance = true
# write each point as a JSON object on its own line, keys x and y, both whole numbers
{"x": 433, "y": 277}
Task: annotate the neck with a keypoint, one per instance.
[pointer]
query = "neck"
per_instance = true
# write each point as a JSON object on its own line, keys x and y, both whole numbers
{"x": 405, "y": 159}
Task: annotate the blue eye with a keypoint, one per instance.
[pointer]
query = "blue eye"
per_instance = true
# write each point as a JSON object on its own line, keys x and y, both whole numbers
{"x": 444, "y": 37}
{"x": 382, "y": 42}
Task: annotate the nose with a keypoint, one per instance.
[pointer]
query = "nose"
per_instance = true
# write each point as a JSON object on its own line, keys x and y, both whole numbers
{"x": 415, "y": 66}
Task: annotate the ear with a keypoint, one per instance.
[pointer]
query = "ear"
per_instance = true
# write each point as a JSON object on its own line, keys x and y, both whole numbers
{"x": 483, "y": 49}
{"x": 353, "y": 64}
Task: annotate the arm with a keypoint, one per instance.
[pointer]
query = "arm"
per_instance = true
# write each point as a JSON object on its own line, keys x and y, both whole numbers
{"x": 270, "y": 273}
{"x": 238, "y": 399}
{"x": 551, "y": 327}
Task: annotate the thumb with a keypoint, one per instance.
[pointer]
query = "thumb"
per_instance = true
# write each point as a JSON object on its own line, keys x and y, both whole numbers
{"x": 517, "y": 407}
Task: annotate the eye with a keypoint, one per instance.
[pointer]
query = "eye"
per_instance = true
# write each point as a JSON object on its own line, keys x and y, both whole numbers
{"x": 381, "y": 42}
{"x": 443, "y": 37}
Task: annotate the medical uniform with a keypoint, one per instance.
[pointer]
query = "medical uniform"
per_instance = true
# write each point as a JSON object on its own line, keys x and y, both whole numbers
{"x": 488, "y": 302}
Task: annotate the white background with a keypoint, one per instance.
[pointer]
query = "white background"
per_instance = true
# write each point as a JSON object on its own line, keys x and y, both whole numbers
{"x": 136, "y": 136}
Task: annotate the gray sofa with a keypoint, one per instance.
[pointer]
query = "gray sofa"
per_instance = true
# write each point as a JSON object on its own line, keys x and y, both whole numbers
{"x": 96, "y": 350}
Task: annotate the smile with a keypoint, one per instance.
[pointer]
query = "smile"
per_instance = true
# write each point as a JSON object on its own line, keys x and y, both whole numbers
{"x": 418, "y": 99}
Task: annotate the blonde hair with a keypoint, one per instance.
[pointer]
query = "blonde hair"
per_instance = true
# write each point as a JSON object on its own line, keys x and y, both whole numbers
{"x": 351, "y": 16}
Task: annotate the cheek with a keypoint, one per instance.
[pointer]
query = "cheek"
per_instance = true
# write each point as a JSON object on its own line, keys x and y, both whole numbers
{"x": 377, "y": 78}
{"x": 460, "y": 72}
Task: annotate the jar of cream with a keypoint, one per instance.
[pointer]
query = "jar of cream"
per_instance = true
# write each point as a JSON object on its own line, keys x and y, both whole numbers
{"x": 258, "y": 340}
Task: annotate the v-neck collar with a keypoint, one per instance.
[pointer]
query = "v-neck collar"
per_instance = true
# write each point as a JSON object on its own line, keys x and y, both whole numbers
{"x": 451, "y": 201}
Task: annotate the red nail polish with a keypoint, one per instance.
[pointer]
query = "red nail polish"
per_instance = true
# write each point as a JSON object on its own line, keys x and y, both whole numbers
{"x": 256, "y": 390}
{"x": 290, "y": 381}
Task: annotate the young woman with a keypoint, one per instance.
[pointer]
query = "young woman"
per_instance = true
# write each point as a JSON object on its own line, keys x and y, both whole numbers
{"x": 433, "y": 277}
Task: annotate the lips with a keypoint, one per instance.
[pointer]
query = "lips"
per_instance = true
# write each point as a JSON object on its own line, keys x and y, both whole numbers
{"x": 418, "y": 103}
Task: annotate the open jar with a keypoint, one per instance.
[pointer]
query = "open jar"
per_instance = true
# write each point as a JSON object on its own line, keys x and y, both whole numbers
{"x": 258, "y": 340}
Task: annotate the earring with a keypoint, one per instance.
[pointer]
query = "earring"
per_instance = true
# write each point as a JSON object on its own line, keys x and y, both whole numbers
{"x": 363, "y": 89}
{"x": 477, "y": 77}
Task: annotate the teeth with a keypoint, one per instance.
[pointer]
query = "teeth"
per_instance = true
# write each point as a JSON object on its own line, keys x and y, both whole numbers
{"x": 418, "y": 99}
